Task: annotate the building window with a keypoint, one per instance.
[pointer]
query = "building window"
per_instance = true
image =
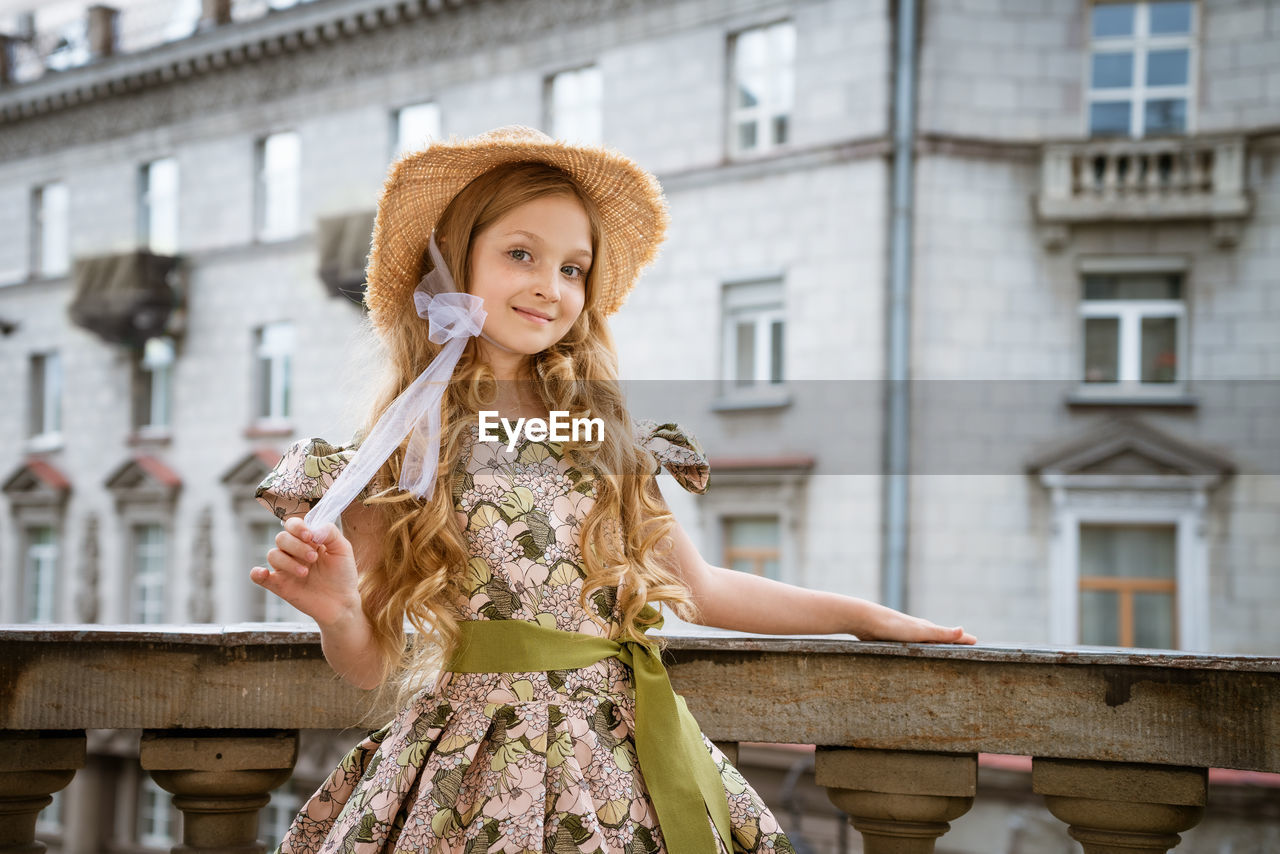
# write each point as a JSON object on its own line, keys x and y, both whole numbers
{"x": 50, "y": 231}
{"x": 574, "y": 105}
{"x": 155, "y": 815}
{"x": 44, "y": 408}
{"x": 279, "y": 159}
{"x": 153, "y": 387}
{"x": 763, "y": 90}
{"x": 1134, "y": 330}
{"x": 1140, "y": 68}
{"x": 274, "y": 356}
{"x": 39, "y": 573}
{"x": 150, "y": 556}
{"x": 416, "y": 126}
{"x": 274, "y": 819}
{"x": 753, "y": 331}
{"x": 753, "y": 544}
{"x": 1128, "y": 586}
{"x": 158, "y": 206}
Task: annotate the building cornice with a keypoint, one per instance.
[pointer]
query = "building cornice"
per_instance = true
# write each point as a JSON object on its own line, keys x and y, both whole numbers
{"x": 297, "y": 29}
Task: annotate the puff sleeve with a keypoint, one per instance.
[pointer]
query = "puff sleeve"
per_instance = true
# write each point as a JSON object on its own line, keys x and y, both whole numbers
{"x": 676, "y": 450}
{"x": 302, "y": 476}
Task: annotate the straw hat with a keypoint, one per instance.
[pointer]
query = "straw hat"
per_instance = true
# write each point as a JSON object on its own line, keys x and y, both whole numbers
{"x": 421, "y": 184}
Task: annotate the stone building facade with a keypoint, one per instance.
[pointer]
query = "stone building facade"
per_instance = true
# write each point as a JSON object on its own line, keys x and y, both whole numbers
{"x": 1093, "y": 324}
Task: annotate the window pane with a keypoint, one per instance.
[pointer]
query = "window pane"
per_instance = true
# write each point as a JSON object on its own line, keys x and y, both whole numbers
{"x": 1166, "y": 115}
{"x": 1159, "y": 349}
{"x": 1167, "y": 67}
{"x": 1101, "y": 349}
{"x": 1113, "y": 70}
{"x": 54, "y": 211}
{"x": 1170, "y": 18}
{"x": 1128, "y": 551}
{"x": 744, "y": 364}
{"x": 416, "y": 126}
{"x": 162, "y": 206}
{"x": 747, "y": 135}
{"x": 775, "y": 347}
{"x": 1153, "y": 620}
{"x": 1133, "y": 287}
{"x": 1113, "y": 19}
{"x": 1109, "y": 118}
{"x": 779, "y": 129}
{"x": 576, "y": 113}
{"x": 753, "y": 531}
{"x": 750, "y": 90}
{"x": 1099, "y": 618}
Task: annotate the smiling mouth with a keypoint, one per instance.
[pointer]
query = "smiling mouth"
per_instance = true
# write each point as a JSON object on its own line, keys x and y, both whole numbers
{"x": 537, "y": 318}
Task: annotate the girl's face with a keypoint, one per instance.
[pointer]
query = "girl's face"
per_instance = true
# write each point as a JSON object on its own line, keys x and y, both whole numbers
{"x": 530, "y": 268}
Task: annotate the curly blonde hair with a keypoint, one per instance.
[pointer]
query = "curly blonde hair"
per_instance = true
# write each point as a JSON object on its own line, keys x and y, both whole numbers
{"x": 421, "y": 576}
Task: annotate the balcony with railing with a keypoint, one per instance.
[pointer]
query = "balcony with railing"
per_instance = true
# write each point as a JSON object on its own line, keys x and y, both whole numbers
{"x": 1142, "y": 181}
{"x": 1121, "y": 740}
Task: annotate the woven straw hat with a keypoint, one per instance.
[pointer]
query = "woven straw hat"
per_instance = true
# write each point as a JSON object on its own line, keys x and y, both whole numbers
{"x": 421, "y": 184}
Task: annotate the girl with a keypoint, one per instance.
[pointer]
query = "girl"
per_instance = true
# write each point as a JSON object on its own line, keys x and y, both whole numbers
{"x": 530, "y": 576}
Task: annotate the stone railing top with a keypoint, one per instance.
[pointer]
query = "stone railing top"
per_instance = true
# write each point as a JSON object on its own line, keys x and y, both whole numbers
{"x": 1148, "y": 706}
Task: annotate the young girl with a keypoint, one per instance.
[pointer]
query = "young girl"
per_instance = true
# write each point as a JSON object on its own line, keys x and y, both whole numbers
{"x": 532, "y": 712}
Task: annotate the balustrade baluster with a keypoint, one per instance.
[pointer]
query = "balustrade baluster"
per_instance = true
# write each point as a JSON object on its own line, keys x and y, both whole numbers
{"x": 33, "y": 765}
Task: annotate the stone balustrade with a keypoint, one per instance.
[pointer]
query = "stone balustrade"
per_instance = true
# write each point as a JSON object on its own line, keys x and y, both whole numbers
{"x": 1141, "y": 180}
{"x": 1121, "y": 740}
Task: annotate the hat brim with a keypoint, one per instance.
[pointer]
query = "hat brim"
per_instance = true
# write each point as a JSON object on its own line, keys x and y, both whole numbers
{"x": 420, "y": 185}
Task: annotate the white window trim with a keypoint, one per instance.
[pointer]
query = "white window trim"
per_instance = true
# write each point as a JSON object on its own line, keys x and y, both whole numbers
{"x": 279, "y": 379}
{"x": 277, "y": 185}
{"x": 762, "y": 313}
{"x": 47, "y": 604}
{"x": 45, "y": 263}
{"x": 163, "y": 802}
{"x": 51, "y": 393}
{"x": 1140, "y": 44}
{"x": 398, "y": 142}
{"x": 1175, "y": 500}
{"x": 137, "y": 583}
{"x": 1131, "y": 313}
{"x": 168, "y": 208}
{"x": 555, "y": 116}
{"x": 764, "y": 111}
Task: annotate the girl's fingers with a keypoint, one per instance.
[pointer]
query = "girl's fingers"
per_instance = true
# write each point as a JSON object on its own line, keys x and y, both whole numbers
{"x": 296, "y": 547}
{"x": 281, "y": 561}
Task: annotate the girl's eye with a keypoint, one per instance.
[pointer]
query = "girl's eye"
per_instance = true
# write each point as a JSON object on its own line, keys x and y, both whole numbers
{"x": 573, "y": 272}
{"x": 520, "y": 254}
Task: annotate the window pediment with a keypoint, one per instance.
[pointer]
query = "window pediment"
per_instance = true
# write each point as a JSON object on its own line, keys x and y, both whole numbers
{"x": 144, "y": 479}
{"x": 37, "y": 482}
{"x": 1128, "y": 448}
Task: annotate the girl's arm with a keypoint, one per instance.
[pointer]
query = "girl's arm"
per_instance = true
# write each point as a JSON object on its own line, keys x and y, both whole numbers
{"x": 317, "y": 573}
{"x": 733, "y": 600}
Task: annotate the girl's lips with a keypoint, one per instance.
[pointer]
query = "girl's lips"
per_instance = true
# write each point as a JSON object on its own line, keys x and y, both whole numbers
{"x": 535, "y": 318}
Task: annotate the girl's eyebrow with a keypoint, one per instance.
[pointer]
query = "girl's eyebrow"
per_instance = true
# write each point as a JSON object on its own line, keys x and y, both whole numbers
{"x": 533, "y": 238}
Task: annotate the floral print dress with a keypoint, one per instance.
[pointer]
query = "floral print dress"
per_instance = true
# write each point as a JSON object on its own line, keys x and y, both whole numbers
{"x": 510, "y": 762}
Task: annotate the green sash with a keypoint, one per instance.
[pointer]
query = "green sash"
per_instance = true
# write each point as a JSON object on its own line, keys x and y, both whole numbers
{"x": 683, "y": 779}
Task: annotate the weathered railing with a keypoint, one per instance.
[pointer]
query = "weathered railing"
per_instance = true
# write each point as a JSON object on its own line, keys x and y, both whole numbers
{"x": 1177, "y": 178}
{"x": 1121, "y": 741}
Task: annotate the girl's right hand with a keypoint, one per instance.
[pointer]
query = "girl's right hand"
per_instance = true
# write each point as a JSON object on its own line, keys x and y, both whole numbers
{"x": 314, "y": 571}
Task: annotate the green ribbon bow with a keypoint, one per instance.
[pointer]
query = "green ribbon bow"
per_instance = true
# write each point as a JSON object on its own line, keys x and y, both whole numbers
{"x": 682, "y": 778}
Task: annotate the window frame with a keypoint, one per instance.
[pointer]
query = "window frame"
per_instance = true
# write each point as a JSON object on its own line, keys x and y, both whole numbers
{"x": 1126, "y": 586}
{"x": 1130, "y": 314}
{"x": 153, "y": 386}
{"x": 758, "y": 555}
{"x": 151, "y": 796}
{"x": 147, "y": 207}
{"x": 553, "y": 115}
{"x": 398, "y": 146}
{"x": 42, "y": 246}
{"x": 1129, "y": 506}
{"x": 764, "y": 113}
{"x": 46, "y": 587}
{"x": 140, "y": 606}
{"x": 761, "y": 301}
{"x": 268, "y": 189}
{"x": 1138, "y": 94}
{"x": 40, "y": 396}
{"x": 274, "y": 385}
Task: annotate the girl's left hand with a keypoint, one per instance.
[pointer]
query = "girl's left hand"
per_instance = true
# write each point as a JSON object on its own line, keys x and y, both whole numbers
{"x": 890, "y": 625}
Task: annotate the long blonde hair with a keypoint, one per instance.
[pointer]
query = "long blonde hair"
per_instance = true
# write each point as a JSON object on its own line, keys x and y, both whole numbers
{"x": 624, "y": 536}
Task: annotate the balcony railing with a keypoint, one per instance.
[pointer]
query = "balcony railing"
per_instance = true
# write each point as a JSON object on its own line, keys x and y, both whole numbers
{"x": 1121, "y": 741}
{"x": 1144, "y": 180}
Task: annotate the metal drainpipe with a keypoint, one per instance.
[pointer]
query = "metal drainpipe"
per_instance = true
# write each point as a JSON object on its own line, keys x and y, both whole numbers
{"x": 897, "y": 423}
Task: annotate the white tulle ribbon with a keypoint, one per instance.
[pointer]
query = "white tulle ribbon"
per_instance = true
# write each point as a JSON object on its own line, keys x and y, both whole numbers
{"x": 452, "y": 318}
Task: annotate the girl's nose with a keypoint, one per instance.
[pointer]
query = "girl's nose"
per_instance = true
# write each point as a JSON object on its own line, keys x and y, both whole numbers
{"x": 548, "y": 286}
